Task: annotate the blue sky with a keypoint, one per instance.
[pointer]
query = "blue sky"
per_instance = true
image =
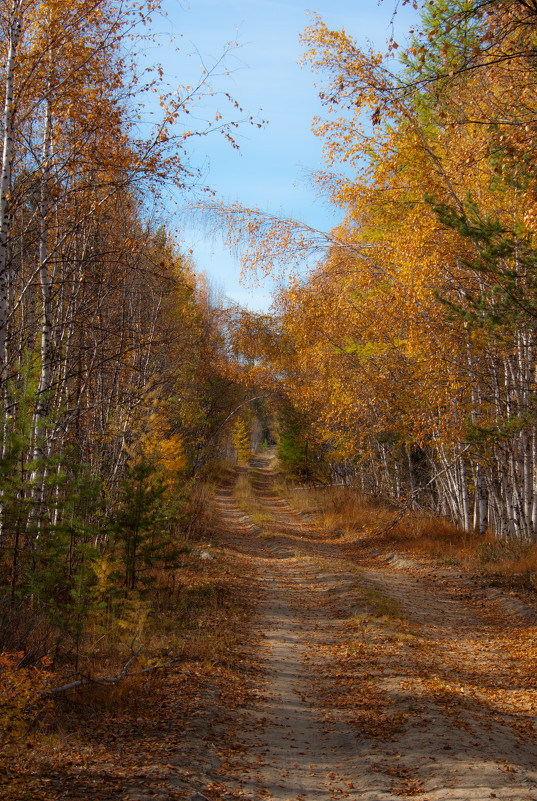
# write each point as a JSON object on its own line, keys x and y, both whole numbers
{"x": 271, "y": 170}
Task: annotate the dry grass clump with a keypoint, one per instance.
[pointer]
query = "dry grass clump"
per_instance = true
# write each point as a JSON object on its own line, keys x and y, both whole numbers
{"x": 200, "y": 511}
{"x": 243, "y": 489}
{"x": 382, "y": 605}
{"x": 351, "y": 514}
{"x": 512, "y": 562}
{"x": 420, "y": 533}
{"x": 342, "y": 510}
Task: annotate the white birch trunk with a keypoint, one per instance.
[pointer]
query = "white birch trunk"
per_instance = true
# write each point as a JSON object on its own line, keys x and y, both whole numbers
{"x": 45, "y": 283}
{"x": 40, "y": 450}
{"x": 463, "y": 497}
{"x": 14, "y": 33}
{"x": 481, "y": 498}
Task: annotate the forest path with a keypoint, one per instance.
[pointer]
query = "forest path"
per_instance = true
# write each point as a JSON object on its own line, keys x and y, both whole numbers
{"x": 375, "y": 677}
{"x": 288, "y": 749}
{"x": 356, "y": 674}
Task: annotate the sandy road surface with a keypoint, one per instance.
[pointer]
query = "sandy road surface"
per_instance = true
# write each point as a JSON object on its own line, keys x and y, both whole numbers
{"x": 358, "y": 674}
{"x": 377, "y": 678}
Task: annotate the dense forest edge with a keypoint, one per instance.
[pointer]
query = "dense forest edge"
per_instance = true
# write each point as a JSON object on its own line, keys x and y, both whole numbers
{"x": 395, "y": 378}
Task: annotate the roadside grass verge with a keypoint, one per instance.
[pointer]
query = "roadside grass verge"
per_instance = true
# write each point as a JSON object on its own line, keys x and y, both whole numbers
{"x": 351, "y": 515}
{"x": 245, "y": 500}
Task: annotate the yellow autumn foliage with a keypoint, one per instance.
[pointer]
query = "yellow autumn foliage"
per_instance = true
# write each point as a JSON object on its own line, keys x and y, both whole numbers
{"x": 241, "y": 439}
{"x": 164, "y": 448}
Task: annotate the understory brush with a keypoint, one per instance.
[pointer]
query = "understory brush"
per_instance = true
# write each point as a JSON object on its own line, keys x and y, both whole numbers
{"x": 183, "y": 610}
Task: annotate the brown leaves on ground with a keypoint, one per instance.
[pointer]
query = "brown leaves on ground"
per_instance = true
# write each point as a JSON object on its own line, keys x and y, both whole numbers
{"x": 146, "y": 737}
{"x": 417, "y": 650}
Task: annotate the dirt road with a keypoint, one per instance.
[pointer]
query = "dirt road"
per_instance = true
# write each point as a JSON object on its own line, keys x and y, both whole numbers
{"x": 357, "y": 674}
{"x": 376, "y": 677}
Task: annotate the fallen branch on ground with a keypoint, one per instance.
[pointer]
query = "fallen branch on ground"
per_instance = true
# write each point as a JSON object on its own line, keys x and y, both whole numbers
{"x": 104, "y": 680}
{"x": 317, "y": 486}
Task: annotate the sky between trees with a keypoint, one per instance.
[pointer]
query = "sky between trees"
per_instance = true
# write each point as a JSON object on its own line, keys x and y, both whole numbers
{"x": 272, "y": 169}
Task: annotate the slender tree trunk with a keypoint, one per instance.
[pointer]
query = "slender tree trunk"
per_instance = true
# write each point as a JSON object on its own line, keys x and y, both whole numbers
{"x": 14, "y": 33}
{"x": 481, "y": 498}
{"x": 464, "y": 499}
{"x": 44, "y": 280}
{"x": 40, "y": 449}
